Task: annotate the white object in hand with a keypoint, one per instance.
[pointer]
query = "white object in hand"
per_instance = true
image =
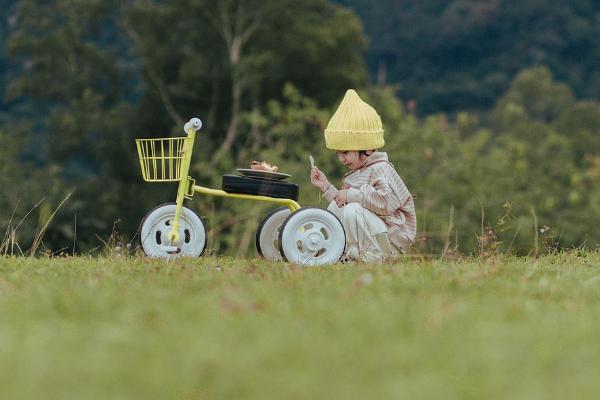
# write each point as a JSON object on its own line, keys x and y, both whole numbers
{"x": 312, "y": 161}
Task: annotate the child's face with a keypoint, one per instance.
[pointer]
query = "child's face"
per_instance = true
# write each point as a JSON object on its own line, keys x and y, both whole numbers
{"x": 350, "y": 159}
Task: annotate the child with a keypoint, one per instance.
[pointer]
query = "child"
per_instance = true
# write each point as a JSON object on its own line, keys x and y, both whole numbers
{"x": 373, "y": 204}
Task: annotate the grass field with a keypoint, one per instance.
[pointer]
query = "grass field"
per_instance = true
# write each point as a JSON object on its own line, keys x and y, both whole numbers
{"x": 223, "y": 328}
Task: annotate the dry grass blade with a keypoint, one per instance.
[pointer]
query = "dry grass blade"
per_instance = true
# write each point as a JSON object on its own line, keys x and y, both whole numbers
{"x": 40, "y": 234}
{"x": 536, "y": 233}
{"x": 450, "y": 227}
{"x": 9, "y": 241}
{"x": 8, "y": 234}
{"x": 29, "y": 212}
{"x": 513, "y": 239}
{"x": 74, "y": 232}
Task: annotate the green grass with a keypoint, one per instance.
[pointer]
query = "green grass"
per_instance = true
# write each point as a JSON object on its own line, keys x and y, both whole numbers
{"x": 216, "y": 328}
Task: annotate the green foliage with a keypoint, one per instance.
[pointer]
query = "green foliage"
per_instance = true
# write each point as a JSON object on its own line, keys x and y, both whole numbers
{"x": 463, "y": 54}
{"x": 78, "y": 94}
{"x": 533, "y": 95}
{"x": 492, "y": 174}
{"x": 102, "y": 73}
{"x": 87, "y": 77}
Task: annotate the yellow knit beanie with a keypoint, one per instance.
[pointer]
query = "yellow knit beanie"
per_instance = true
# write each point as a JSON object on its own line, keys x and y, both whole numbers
{"x": 354, "y": 126}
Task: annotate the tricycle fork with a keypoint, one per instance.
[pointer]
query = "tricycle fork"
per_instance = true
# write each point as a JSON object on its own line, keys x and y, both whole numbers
{"x": 191, "y": 127}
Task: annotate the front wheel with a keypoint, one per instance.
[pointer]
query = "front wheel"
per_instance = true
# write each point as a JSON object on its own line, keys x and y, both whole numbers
{"x": 312, "y": 236}
{"x": 156, "y": 226}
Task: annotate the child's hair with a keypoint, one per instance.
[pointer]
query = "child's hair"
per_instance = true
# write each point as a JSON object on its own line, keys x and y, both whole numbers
{"x": 365, "y": 152}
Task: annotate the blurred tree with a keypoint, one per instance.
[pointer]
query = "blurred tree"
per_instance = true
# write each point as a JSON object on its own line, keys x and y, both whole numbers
{"x": 531, "y": 153}
{"x": 580, "y": 122}
{"x": 6, "y": 20}
{"x": 225, "y": 58}
{"x": 86, "y": 77}
{"x": 80, "y": 72}
{"x": 531, "y": 121}
{"x": 78, "y": 84}
{"x": 228, "y": 62}
{"x": 463, "y": 54}
{"x": 533, "y": 94}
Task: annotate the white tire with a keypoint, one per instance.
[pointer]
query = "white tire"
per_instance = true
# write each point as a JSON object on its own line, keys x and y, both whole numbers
{"x": 267, "y": 234}
{"x": 312, "y": 236}
{"x": 156, "y": 226}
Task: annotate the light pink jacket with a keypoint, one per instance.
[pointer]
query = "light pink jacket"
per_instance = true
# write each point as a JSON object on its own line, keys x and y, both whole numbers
{"x": 378, "y": 187}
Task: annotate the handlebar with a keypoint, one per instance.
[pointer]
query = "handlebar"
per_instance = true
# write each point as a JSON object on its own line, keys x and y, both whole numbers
{"x": 195, "y": 124}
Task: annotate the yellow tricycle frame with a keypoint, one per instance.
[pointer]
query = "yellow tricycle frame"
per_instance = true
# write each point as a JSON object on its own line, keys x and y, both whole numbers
{"x": 168, "y": 160}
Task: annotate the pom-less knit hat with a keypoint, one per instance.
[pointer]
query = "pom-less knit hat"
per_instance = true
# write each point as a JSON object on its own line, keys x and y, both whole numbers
{"x": 354, "y": 126}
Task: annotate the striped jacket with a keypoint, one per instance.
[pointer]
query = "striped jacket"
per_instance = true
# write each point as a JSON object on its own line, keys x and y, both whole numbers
{"x": 378, "y": 187}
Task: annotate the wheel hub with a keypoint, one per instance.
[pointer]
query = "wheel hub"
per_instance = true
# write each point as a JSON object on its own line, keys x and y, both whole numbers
{"x": 314, "y": 241}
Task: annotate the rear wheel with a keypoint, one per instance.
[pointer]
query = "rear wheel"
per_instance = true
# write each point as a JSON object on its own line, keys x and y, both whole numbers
{"x": 312, "y": 236}
{"x": 267, "y": 234}
{"x": 156, "y": 225}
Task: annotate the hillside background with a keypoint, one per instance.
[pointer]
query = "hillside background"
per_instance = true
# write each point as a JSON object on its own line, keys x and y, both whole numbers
{"x": 490, "y": 109}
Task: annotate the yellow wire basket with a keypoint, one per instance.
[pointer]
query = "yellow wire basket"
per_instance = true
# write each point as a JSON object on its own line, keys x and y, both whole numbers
{"x": 160, "y": 159}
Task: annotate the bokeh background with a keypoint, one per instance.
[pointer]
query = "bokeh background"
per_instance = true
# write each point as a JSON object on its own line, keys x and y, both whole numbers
{"x": 490, "y": 110}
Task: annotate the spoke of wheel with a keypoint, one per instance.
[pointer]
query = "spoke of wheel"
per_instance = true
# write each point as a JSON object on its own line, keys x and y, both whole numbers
{"x": 317, "y": 227}
{"x": 311, "y": 256}
{"x": 301, "y": 236}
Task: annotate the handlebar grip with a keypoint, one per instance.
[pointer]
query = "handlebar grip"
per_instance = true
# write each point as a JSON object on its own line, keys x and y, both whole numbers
{"x": 194, "y": 124}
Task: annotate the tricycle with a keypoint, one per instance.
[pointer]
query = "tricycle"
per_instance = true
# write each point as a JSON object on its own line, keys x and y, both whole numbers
{"x": 301, "y": 235}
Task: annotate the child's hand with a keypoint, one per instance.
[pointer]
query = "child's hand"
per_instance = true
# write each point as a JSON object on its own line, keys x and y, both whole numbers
{"x": 341, "y": 197}
{"x": 318, "y": 178}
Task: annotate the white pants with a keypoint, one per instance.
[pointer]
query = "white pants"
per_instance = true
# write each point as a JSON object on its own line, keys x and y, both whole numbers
{"x": 366, "y": 233}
